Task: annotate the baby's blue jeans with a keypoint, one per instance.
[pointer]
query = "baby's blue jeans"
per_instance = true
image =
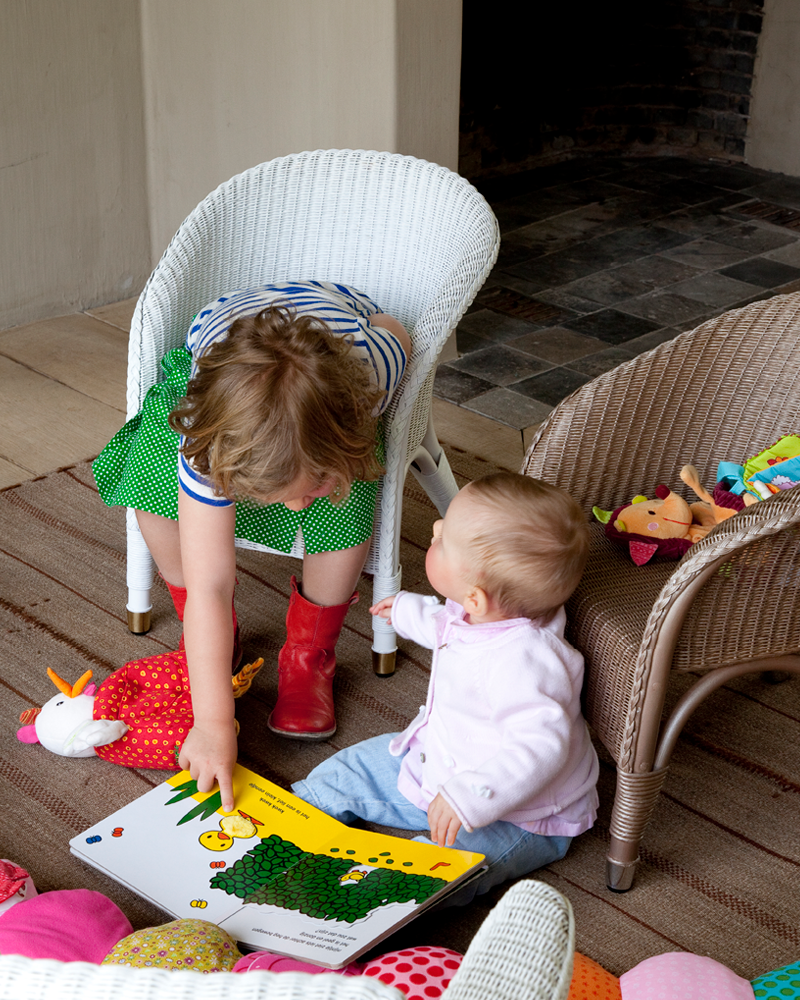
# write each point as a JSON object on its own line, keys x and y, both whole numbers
{"x": 361, "y": 782}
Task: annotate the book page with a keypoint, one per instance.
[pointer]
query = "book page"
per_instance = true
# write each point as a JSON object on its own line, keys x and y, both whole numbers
{"x": 330, "y": 904}
{"x": 277, "y": 873}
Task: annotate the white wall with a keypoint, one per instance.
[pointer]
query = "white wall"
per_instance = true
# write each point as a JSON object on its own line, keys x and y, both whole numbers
{"x": 120, "y": 115}
{"x": 72, "y": 177}
{"x": 428, "y": 79}
{"x": 231, "y": 84}
{"x": 773, "y": 135}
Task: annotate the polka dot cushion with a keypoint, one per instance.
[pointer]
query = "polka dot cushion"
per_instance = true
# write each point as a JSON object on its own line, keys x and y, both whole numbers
{"x": 782, "y": 984}
{"x": 422, "y": 973}
{"x": 194, "y": 945}
{"x": 681, "y": 976}
{"x": 590, "y": 981}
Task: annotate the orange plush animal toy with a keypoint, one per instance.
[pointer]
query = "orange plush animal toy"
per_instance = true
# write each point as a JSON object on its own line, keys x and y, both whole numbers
{"x": 665, "y": 526}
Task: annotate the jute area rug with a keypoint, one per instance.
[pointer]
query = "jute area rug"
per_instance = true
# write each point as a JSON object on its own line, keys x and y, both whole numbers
{"x": 721, "y": 864}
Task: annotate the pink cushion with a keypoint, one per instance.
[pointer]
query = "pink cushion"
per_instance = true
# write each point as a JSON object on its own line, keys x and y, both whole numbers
{"x": 71, "y": 925}
{"x": 679, "y": 976}
{"x": 267, "y": 961}
{"x": 422, "y": 973}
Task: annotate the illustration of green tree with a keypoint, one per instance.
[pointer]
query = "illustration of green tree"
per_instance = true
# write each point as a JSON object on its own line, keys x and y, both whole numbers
{"x": 275, "y": 871}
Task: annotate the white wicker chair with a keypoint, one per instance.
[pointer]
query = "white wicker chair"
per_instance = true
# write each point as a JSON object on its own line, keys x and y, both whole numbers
{"x": 414, "y": 236}
{"x": 523, "y": 951}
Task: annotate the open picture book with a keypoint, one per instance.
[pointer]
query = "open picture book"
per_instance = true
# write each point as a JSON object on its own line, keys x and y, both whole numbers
{"x": 276, "y": 874}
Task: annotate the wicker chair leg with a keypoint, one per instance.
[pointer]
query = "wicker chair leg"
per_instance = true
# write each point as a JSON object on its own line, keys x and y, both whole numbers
{"x": 634, "y": 803}
{"x": 384, "y": 639}
{"x": 139, "y": 578}
{"x": 432, "y": 470}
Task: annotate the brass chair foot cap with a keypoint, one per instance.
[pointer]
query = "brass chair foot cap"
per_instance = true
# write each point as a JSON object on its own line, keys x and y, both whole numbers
{"x": 139, "y": 622}
{"x": 383, "y": 663}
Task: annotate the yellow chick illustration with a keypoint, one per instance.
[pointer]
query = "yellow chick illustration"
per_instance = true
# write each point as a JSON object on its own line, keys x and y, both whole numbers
{"x": 236, "y": 826}
{"x": 355, "y": 874}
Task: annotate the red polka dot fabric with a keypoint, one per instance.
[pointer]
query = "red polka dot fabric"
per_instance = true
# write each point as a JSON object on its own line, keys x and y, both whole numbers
{"x": 153, "y": 699}
{"x": 422, "y": 973}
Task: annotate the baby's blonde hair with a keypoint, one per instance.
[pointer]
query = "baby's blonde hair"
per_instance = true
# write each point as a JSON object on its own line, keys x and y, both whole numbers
{"x": 530, "y": 544}
{"x": 281, "y": 397}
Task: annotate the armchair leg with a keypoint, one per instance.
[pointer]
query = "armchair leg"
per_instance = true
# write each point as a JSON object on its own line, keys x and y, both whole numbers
{"x": 634, "y": 803}
{"x": 138, "y": 621}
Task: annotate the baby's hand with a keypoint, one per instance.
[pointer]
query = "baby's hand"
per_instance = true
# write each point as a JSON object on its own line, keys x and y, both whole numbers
{"x": 383, "y": 609}
{"x": 443, "y": 821}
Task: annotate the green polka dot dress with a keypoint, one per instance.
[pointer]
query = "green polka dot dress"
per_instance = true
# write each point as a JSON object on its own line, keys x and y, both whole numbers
{"x": 139, "y": 468}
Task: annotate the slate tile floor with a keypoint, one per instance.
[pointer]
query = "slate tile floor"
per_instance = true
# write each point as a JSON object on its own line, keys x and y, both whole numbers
{"x": 605, "y": 258}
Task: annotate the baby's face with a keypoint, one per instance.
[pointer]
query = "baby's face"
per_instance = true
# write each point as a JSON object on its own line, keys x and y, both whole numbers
{"x": 447, "y": 562}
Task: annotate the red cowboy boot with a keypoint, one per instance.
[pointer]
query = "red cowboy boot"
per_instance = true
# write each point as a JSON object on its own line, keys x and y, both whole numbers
{"x": 306, "y": 665}
{"x": 178, "y": 595}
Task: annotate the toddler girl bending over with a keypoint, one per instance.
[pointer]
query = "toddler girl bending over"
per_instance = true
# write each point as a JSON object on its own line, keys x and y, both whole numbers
{"x": 499, "y": 759}
{"x": 267, "y": 424}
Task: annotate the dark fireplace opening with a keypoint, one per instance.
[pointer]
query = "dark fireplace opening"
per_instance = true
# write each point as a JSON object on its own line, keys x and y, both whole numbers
{"x": 633, "y": 77}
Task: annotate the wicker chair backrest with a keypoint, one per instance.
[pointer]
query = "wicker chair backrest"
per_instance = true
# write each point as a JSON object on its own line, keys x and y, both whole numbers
{"x": 723, "y": 391}
{"x": 409, "y": 233}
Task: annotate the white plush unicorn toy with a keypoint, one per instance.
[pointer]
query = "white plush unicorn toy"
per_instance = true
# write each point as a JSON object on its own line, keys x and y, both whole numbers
{"x": 152, "y": 696}
{"x": 65, "y": 725}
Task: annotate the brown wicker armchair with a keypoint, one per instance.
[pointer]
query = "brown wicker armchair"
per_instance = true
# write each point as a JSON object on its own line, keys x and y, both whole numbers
{"x": 724, "y": 391}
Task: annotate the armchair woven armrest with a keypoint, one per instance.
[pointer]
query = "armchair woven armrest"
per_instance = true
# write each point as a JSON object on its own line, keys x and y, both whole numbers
{"x": 719, "y": 595}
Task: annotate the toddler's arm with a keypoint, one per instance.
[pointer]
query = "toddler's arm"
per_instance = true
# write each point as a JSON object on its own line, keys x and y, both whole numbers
{"x": 395, "y": 327}
{"x": 209, "y": 568}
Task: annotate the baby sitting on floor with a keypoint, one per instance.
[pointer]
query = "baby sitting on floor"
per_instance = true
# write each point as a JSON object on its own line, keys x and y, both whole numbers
{"x": 499, "y": 759}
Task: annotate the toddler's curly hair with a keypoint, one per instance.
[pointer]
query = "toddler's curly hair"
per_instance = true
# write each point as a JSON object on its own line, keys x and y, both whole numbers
{"x": 530, "y": 544}
{"x": 281, "y": 397}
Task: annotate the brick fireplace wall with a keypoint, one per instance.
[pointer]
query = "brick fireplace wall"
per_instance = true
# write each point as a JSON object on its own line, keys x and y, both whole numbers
{"x": 643, "y": 77}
